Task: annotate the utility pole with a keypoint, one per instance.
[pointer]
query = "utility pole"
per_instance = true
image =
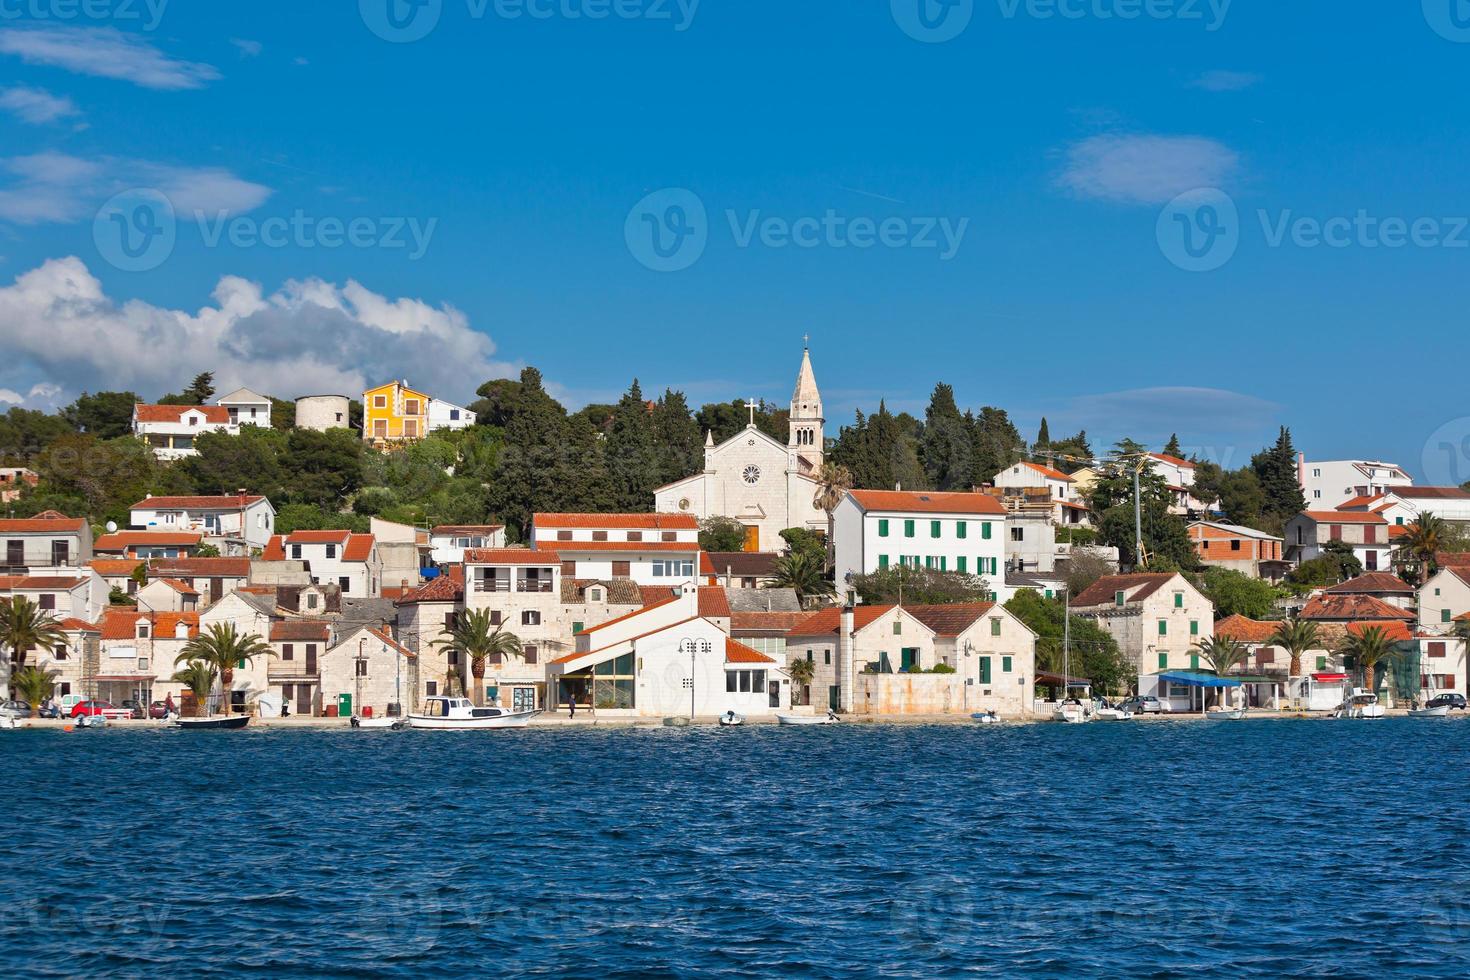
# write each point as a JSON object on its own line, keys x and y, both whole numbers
{"x": 1137, "y": 519}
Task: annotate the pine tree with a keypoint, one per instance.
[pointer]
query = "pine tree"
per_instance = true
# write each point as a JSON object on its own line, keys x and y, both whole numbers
{"x": 1043, "y": 437}
{"x": 678, "y": 438}
{"x": 631, "y": 457}
{"x": 1173, "y": 448}
{"x": 537, "y": 456}
{"x": 997, "y": 444}
{"x": 1276, "y": 469}
{"x": 946, "y": 445}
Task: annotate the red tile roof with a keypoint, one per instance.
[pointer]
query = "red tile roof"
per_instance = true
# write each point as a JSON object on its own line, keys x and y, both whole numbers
{"x": 215, "y": 414}
{"x": 393, "y": 644}
{"x": 1344, "y": 517}
{"x": 510, "y": 556}
{"x": 292, "y": 630}
{"x": 121, "y": 624}
{"x": 114, "y": 566}
{"x": 359, "y": 547}
{"x": 665, "y": 522}
{"x": 233, "y": 502}
{"x": 122, "y": 540}
{"x": 765, "y": 622}
{"x": 636, "y": 612}
{"x": 71, "y": 624}
{"x": 1175, "y": 460}
{"x": 26, "y": 583}
{"x": 1431, "y": 493}
{"x": 738, "y": 653}
{"x": 1246, "y": 630}
{"x": 1361, "y": 501}
{"x": 318, "y": 537}
{"x": 42, "y": 524}
{"x": 203, "y": 567}
{"x": 953, "y": 619}
{"x": 713, "y": 603}
{"x": 467, "y": 529}
{"x": 1048, "y": 472}
{"x": 928, "y": 502}
{"x": 1452, "y": 559}
{"x": 1352, "y": 607}
{"x": 446, "y": 588}
{"x": 826, "y": 621}
{"x": 1372, "y": 582}
{"x": 1104, "y": 591}
{"x": 1394, "y": 630}
{"x": 179, "y": 587}
{"x": 682, "y": 547}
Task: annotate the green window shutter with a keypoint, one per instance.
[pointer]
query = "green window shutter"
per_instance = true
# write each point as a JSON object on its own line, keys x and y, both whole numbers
{"x": 1163, "y": 627}
{"x": 1120, "y": 597}
{"x": 985, "y": 530}
{"x": 961, "y": 564}
{"x": 1194, "y": 661}
{"x": 984, "y": 670}
{"x": 1005, "y": 665}
{"x": 943, "y": 563}
{"x": 908, "y": 529}
{"x": 928, "y": 561}
{"x": 882, "y": 562}
{"x": 1179, "y": 600}
{"x": 576, "y": 628}
{"x": 898, "y": 627}
{"x": 1321, "y": 663}
{"x": 1194, "y": 627}
{"x": 1049, "y": 595}
{"x": 1163, "y": 661}
{"x": 1444, "y": 615}
{"x": 934, "y": 528}
{"x": 995, "y": 627}
{"x": 960, "y": 529}
{"x": 883, "y": 527}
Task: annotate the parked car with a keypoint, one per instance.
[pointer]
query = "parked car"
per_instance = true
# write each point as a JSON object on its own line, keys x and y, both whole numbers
{"x": 158, "y": 709}
{"x": 136, "y": 707}
{"x": 15, "y": 709}
{"x": 69, "y": 701}
{"x": 1456, "y": 702}
{"x": 104, "y": 708}
{"x": 1143, "y": 704}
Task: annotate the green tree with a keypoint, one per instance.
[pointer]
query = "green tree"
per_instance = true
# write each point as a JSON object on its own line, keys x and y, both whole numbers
{"x": 325, "y": 468}
{"x": 679, "y": 441}
{"x": 721, "y": 534}
{"x": 1368, "y": 648}
{"x": 1296, "y": 637}
{"x": 224, "y": 648}
{"x": 802, "y": 672}
{"x": 1422, "y": 542}
{"x": 630, "y": 455}
{"x": 24, "y": 433}
{"x": 806, "y": 541}
{"x": 1337, "y": 563}
{"x": 249, "y": 461}
{"x": 947, "y": 443}
{"x": 207, "y": 551}
{"x": 1235, "y": 593}
{"x": 833, "y": 482}
{"x": 796, "y": 570}
{"x": 1094, "y": 653}
{"x": 1173, "y": 448}
{"x": 310, "y": 517}
{"x": 105, "y": 415}
{"x": 34, "y": 685}
{"x": 24, "y": 627}
{"x": 283, "y": 414}
{"x": 920, "y": 587}
{"x": 198, "y": 679}
{"x": 479, "y": 643}
{"x": 1043, "y": 438}
{"x": 997, "y": 444}
{"x": 1223, "y": 655}
{"x": 1276, "y": 469}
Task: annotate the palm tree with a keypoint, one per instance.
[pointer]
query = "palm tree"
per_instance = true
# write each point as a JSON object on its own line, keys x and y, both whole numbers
{"x": 24, "y": 626}
{"x": 1423, "y": 540}
{"x": 833, "y": 482}
{"x": 224, "y": 648}
{"x": 801, "y": 571}
{"x": 35, "y": 685}
{"x": 1223, "y": 654}
{"x": 1368, "y": 649}
{"x": 802, "y": 671}
{"x": 198, "y": 678}
{"x": 477, "y": 642}
{"x": 1296, "y": 636}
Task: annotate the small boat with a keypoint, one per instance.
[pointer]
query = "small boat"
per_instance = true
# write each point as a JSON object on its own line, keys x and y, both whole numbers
{"x": 385, "y": 723}
{"x": 459, "y": 713}
{"x": 676, "y": 721}
{"x": 1112, "y": 714}
{"x": 91, "y": 721}
{"x": 1225, "y": 714}
{"x": 7, "y": 722}
{"x": 730, "y": 719}
{"x": 213, "y": 723}
{"x": 1071, "y": 712}
{"x": 1360, "y": 704}
{"x": 830, "y": 718}
{"x": 1438, "y": 711}
{"x": 986, "y": 717}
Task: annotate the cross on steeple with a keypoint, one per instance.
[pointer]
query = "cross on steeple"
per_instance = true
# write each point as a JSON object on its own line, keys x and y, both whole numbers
{"x": 806, "y": 341}
{"x": 752, "y": 406}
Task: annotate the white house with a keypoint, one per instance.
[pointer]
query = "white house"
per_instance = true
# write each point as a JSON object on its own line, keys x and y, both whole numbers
{"x": 448, "y": 542}
{"x": 949, "y": 532}
{"x": 323, "y": 412}
{"x": 172, "y": 429}
{"x": 49, "y": 539}
{"x": 650, "y": 549}
{"x": 1179, "y": 475}
{"x": 342, "y": 558}
{"x": 246, "y": 407}
{"x": 1403, "y": 505}
{"x": 1329, "y": 483}
{"x": 235, "y": 524}
{"x": 447, "y": 415}
{"x": 1159, "y": 620}
{"x": 1067, "y": 505}
{"x": 667, "y": 660}
{"x": 1367, "y": 533}
{"x": 368, "y": 672}
{"x": 61, "y": 592}
{"x": 1444, "y": 599}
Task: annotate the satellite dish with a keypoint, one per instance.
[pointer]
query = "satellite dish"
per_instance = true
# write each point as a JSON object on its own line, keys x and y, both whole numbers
{"x": 112, "y": 527}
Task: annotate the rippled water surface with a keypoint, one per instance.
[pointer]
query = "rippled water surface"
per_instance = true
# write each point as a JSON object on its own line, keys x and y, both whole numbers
{"x": 1265, "y": 847}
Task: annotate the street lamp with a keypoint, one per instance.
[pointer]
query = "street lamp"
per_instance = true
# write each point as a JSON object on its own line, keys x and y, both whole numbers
{"x": 361, "y": 663}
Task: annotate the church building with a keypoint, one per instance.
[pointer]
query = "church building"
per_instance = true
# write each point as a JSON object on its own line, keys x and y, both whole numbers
{"x": 756, "y": 480}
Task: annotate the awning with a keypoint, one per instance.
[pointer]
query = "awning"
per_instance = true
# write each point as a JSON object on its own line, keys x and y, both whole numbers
{"x": 1329, "y": 678}
{"x": 1197, "y": 680}
{"x": 1055, "y": 680}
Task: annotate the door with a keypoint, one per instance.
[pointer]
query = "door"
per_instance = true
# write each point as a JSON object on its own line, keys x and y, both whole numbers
{"x": 910, "y": 659}
{"x": 60, "y": 553}
{"x": 773, "y": 692}
{"x": 523, "y": 699}
{"x": 752, "y": 539}
{"x": 15, "y": 553}
{"x": 311, "y": 658}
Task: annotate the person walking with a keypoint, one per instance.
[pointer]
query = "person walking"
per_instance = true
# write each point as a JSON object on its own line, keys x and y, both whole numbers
{"x": 571, "y": 702}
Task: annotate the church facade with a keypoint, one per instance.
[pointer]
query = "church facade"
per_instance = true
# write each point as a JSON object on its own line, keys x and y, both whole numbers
{"x": 756, "y": 480}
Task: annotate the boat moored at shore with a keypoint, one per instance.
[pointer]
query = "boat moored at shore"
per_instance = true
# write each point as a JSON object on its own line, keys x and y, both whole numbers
{"x": 458, "y": 713}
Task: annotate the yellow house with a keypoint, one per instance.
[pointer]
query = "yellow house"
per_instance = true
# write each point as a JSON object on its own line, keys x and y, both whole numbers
{"x": 394, "y": 412}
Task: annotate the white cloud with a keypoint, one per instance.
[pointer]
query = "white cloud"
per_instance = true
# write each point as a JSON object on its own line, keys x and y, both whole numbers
{"x": 59, "y": 328}
{"x": 104, "y": 52}
{"x": 57, "y": 187}
{"x": 248, "y": 49}
{"x": 35, "y": 105}
{"x": 1146, "y": 169}
{"x": 1225, "y": 81}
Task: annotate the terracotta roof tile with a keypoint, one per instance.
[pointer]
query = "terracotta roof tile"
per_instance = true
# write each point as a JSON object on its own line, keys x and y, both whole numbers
{"x": 1246, "y": 630}
{"x": 950, "y": 620}
{"x": 72, "y": 624}
{"x": 636, "y": 612}
{"x": 114, "y": 566}
{"x": 214, "y": 414}
{"x": 444, "y": 588}
{"x": 738, "y": 653}
{"x": 295, "y": 630}
{"x": 1351, "y": 608}
{"x": 680, "y": 547}
{"x": 1139, "y": 586}
{"x": 1372, "y": 582}
{"x": 713, "y": 604}
{"x": 122, "y": 540}
{"x": 233, "y": 502}
{"x": 359, "y": 547}
{"x": 1047, "y": 471}
{"x": 1344, "y": 517}
{"x": 42, "y": 525}
{"x": 180, "y": 587}
{"x": 928, "y": 502}
{"x": 485, "y": 529}
{"x": 829, "y": 620}
{"x": 510, "y": 556}
{"x": 1393, "y": 629}
{"x": 121, "y": 624}
{"x": 1174, "y": 460}
{"x": 202, "y": 567}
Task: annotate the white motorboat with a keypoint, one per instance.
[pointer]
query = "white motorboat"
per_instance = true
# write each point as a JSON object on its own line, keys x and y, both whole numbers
{"x": 986, "y": 717}
{"x": 1360, "y": 704}
{"x": 1225, "y": 714}
{"x": 730, "y": 719}
{"x": 459, "y": 713}
{"x": 379, "y": 724}
{"x": 1112, "y": 714}
{"x": 1438, "y": 711}
{"x": 1071, "y": 712}
{"x": 830, "y": 718}
{"x": 7, "y": 722}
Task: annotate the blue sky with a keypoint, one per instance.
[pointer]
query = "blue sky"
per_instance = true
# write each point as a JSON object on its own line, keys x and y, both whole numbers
{"x": 520, "y": 148}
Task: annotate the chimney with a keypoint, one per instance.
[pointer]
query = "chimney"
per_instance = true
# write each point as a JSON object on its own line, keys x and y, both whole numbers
{"x": 729, "y": 571}
{"x": 898, "y": 486}
{"x": 848, "y": 676}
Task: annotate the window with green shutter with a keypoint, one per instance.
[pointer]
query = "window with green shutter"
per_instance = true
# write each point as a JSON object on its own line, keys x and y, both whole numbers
{"x": 1163, "y": 627}
{"x": 1120, "y": 597}
{"x": 1444, "y": 615}
{"x": 994, "y": 627}
{"x": 933, "y": 529}
{"x": 883, "y": 527}
{"x": 908, "y": 529}
{"x": 1163, "y": 661}
{"x": 985, "y": 530}
{"x": 960, "y": 529}
{"x": 1321, "y": 663}
{"x": 576, "y": 628}
{"x": 929, "y": 561}
{"x": 1005, "y": 665}
{"x": 1194, "y": 661}
{"x": 1194, "y": 627}
{"x": 882, "y": 562}
{"x": 1179, "y": 600}
{"x": 984, "y": 670}
{"x": 943, "y": 563}
{"x": 960, "y": 564}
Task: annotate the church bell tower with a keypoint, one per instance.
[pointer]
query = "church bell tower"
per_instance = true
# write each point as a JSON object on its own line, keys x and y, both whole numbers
{"x": 805, "y": 442}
